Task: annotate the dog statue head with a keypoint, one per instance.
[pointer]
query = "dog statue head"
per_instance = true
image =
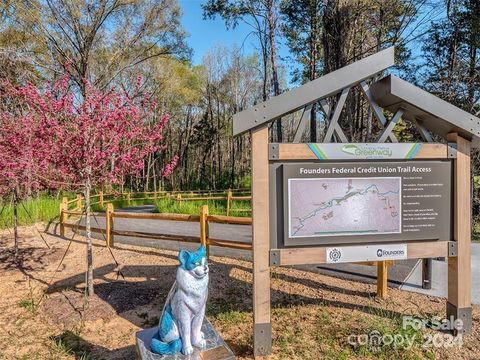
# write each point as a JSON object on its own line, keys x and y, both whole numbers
{"x": 194, "y": 262}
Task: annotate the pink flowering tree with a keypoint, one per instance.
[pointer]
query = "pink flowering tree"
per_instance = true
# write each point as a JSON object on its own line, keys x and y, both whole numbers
{"x": 23, "y": 148}
{"x": 94, "y": 141}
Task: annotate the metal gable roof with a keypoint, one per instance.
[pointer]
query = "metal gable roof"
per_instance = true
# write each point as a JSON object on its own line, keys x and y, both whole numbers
{"x": 437, "y": 115}
{"x": 391, "y": 93}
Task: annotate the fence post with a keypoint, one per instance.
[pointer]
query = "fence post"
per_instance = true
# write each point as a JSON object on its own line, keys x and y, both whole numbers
{"x": 179, "y": 196}
{"x": 79, "y": 202}
{"x": 63, "y": 215}
{"x": 382, "y": 279}
{"x": 129, "y": 198}
{"x": 204, "y": 228}
{"x": 100, "y": 198}
{"x": 229, "y": 200}
{"x": 109, "y": 225}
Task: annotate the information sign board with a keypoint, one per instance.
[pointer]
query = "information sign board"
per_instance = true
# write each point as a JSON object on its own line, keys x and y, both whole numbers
{"x": 363, "y": 202}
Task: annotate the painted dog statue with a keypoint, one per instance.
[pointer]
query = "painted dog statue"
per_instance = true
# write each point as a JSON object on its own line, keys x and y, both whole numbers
{"x": 182, "y": 317}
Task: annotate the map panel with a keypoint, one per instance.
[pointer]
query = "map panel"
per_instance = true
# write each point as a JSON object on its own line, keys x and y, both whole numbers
{"x": 344, "y": 206}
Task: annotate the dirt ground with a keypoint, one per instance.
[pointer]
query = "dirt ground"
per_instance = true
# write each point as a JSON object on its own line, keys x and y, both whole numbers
{"x": 45, "y": 315}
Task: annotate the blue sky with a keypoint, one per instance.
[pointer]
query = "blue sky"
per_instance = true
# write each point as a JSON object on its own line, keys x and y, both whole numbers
{"x": 205, "y": 34}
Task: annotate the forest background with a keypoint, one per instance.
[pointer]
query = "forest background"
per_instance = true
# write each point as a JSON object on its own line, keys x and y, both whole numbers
{"x": 111, "y": 43}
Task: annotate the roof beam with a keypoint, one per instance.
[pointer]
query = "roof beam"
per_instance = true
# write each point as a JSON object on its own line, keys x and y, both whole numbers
{"x": 377, "y": 111}
{"x": 437, "y": 115}
{"x": 302, "y": 123}
{"x": 390, "y": 125}
{"x": 424, "y": 133}
{"x": 313, "y": 91}
{"x": 333, "y": 125}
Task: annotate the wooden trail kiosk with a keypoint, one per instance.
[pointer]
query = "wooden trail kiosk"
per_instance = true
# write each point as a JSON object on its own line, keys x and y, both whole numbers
{"x": 336, "y": 201}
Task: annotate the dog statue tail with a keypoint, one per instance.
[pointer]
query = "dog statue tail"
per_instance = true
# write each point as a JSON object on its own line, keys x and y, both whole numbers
{"x": 163, "y": 348}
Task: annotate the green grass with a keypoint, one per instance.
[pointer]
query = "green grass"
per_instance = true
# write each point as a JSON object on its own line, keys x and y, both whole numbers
{"x": 122, "y": 203}
{"x": 476, "y": 231}
{"x": 215, "y": 207}
{"x": 42, "y": 208}
{"x": 46, "y": 208}
{"x": 69, "y": 343}
{"x": 307, "y": 331}
{"x": 29, "y": 304}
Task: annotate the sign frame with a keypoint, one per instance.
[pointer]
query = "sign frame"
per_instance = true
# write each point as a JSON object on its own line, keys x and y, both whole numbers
{"x": 424, "y": 111}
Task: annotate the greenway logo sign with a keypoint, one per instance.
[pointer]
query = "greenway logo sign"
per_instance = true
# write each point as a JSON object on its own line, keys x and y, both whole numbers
{"x": 366, "y": 151}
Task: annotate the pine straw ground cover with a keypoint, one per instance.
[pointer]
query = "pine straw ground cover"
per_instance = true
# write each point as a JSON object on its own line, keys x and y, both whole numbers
{"x": 312, "y": 315}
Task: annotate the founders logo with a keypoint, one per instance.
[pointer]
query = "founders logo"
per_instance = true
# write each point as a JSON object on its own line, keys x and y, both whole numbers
{"x": 397, "y": 253}
{"x": 368, "y": 151}
{"x": 335, "y": 255}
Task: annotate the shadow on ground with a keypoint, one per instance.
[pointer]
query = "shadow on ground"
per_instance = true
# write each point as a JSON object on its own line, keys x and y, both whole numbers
{"x": 70, "y": 343}
{"x": 139, "y": 288}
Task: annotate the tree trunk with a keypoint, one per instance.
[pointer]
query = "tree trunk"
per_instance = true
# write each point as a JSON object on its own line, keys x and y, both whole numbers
{"x": 88, "y": 234}
{"x": 15, "y": 221}
{"x": 313, "y": 124}
{"x": 273, "y": 62}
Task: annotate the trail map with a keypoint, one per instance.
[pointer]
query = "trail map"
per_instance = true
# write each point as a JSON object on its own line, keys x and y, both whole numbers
{"x": 344, "y": 206}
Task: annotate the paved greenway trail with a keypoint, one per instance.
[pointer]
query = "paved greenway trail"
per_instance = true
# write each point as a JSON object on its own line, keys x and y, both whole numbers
{"x": 241, "y": 233}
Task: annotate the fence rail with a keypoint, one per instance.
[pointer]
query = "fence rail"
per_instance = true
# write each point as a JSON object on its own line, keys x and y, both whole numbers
{"x": 101, "y": 198}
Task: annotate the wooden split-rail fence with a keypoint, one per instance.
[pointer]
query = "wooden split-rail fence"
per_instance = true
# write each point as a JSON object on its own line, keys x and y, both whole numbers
{"x": 203, "y": 218}
{"x": 74, "y": 208}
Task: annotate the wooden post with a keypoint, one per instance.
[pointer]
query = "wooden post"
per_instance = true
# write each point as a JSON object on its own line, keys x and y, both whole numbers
{"x": 459, "y": 303}
{"x": 262, "y": 330}
{"x": 109, "y": 225}
{"x": 204, "y": 232}
{"x": 427, "y": 273}
{"x": 179, "y": 196}
{"x": 382, "y": 279}
{"x": 63, "y": 215}
{"x": 79, "y": 202}
{"x": 129, "y": 198}
{"x": 229, "y": 200}
{"x": 100, "y": 198}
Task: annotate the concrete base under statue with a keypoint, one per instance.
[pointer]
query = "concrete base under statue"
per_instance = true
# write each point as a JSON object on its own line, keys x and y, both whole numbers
{"x": 216, "y": 347}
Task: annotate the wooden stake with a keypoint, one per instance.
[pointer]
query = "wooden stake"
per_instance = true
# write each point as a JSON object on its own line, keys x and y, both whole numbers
{"x": 79, "y": 202}
{"x": 459, "y": 267}
{"x": 262, "y": 331}
{"x": 100, "y": 198}
{"x": 382, "y": 279}
{"x": 63, "y": 215}
{"x": 204, "y": 231}
{"x": 229, "y": 200}
{"x": 109, "y": 225}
